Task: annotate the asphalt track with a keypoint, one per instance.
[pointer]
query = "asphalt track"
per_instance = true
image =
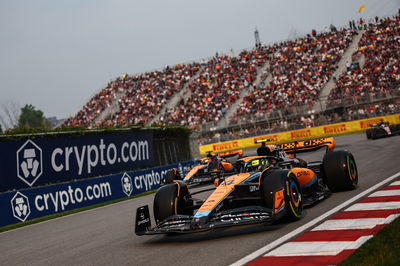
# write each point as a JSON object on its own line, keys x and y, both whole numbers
{"x": 104, "y": 236}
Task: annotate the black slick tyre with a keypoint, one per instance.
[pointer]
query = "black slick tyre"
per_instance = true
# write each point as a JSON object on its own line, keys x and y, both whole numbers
{"x": 368, "y": 133}
{"x": 373, "y": 134}
{"x": 278, "y": 179}
{"x": 340, "y": 171}
{"x": 168, "y": 201}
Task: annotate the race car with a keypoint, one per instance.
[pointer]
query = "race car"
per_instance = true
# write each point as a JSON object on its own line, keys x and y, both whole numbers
{"x": 211, "y": 167}
{"x": 381, "y": 130}
{"x": 268, "y": 188}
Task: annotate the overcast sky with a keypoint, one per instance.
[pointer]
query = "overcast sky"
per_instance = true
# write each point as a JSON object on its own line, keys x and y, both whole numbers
{"x": 56, "y": 54}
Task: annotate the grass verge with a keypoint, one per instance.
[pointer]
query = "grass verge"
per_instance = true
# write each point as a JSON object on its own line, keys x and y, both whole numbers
{"x": 49, "y": 217}
{"x": 382, "y": 249}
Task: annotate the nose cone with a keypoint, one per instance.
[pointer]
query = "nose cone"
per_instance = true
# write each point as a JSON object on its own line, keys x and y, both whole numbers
{"x": 198, "y": 223}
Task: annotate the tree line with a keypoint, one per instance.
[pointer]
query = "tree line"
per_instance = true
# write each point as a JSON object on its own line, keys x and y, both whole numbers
{"x": 12, "y": 117}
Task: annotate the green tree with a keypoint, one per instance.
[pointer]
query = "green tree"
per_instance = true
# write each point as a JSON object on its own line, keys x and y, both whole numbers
{"x": 1, "y": 129}
{"x": 30, "y": 117}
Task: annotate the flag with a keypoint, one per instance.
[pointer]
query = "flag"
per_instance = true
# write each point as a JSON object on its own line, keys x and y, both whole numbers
{"x": 361, "y": 8}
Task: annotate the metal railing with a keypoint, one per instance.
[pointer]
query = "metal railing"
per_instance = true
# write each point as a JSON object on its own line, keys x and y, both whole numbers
{"x": 290, "y": 117}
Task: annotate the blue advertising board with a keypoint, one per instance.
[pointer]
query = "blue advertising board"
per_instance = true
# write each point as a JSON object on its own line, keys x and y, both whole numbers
{"x": 28, "y": 163}
{"x": 27, "y": 204}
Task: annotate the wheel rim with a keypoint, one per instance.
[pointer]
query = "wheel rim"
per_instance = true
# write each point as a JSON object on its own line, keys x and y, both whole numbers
{"x": 352, "y": 169}
{"x": 294, "y": 194}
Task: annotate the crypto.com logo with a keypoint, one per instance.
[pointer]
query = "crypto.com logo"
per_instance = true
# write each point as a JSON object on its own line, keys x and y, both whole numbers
{"x": 20, "y": 206}
{"x": 127, "y": 186}
{"x": 29, "y": 162}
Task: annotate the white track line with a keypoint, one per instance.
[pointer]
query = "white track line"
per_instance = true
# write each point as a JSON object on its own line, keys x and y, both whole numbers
{"x": 349, "y": 224}
{"x": 369, "y": 206}
{"x": 320, "y": 248}
{"x": 312, "y": 223}
{"x": 384, "y": 193}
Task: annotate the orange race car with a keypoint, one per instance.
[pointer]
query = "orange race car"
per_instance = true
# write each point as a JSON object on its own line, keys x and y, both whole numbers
{"x": 211, "y": 167}
{"x": 266, "y": 189}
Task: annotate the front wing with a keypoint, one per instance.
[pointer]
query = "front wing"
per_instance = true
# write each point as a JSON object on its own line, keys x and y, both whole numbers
{"x": 189, "y": 224}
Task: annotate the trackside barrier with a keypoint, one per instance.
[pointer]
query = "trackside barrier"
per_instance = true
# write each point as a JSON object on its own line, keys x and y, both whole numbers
{"x": 314, "y": 132}
{"x": 41, "y": 161}
{"x": 27, "y": 204}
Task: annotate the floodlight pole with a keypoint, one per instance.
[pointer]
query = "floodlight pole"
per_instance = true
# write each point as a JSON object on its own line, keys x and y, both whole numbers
{"x": 257, "y": 38}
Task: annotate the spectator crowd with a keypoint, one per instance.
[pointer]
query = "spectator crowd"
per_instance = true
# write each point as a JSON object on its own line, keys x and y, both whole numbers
{"x": 380, "y": 75}
{"x": 216, "y": 88}
{"x": 151, "y": 91}
{"x": 299, "y": 69}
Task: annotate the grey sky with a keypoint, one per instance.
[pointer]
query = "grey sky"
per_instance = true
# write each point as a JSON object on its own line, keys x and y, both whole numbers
{"x": 56, "y": 54}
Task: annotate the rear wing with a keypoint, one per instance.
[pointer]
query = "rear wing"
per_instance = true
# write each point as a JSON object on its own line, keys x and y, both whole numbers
{"x": 308, "y": 145}
{"x": 228, "y": 154}
{"x": 262, "y": 140}
{"x": 380, "y": 123}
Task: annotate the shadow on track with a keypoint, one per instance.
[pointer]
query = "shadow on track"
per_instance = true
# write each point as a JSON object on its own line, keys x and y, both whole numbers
{"x": 214, "y": 234}
{"x": 218, "y": 233}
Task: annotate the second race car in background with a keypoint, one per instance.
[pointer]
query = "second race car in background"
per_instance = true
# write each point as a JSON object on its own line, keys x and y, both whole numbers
{"x": 381, "y": 130}
{"x": 211, "y": 167}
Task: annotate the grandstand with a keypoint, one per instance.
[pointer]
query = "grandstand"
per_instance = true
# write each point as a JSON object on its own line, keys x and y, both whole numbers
{"x": 324, "y": 77}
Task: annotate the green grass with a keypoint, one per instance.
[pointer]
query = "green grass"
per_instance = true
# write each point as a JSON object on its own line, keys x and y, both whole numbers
{"x": 382, "y": 249}
{"x": 56, "y": 215}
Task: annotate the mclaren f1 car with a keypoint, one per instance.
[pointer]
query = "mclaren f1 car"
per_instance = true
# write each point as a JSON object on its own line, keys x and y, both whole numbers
{"x": 266, "y": 189}
{"x": 381, "y": 130}
{"x": 213, "y": 166}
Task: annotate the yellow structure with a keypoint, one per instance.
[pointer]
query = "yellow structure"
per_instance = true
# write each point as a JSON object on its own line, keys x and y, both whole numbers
{"x": 306, "y": 133}
{"x": 361, "y": 8}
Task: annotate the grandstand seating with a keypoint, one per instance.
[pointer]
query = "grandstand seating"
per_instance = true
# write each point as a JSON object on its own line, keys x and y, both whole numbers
{"x": 143, "y": 95}
{"x": 380, "y": 44}
{"x": 98, "y": 103}
{"x": 152, "y": 90}
{"x": 216, "y": 88}
{"x": 299, "y": 69}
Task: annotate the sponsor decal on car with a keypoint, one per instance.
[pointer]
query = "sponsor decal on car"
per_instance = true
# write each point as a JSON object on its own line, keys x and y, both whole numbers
{"x": 143, "y": 220}
{"x": 199, "y": 180}
{"x": 254, "y": 188}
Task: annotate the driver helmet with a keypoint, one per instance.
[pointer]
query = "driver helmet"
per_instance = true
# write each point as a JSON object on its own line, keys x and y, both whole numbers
{"x": 275, "y": 151}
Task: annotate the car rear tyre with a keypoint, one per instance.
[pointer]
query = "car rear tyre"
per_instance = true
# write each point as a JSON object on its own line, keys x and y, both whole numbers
{"x": 368, "y": 132}
{"x": 340, "y": 171}
{"x": 171, "y": 175}
{"x": 394, "y": 129}
{"x": 168, "y": 201}
{"x": 373, "y": 134}
{"x": 278, "y": 179}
